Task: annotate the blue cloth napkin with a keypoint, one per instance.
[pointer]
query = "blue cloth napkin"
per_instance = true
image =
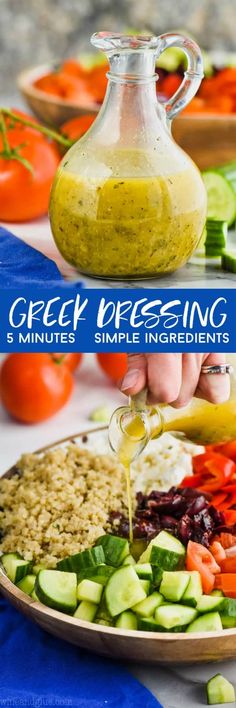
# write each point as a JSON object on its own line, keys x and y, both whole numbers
{"x": 21, "y": 265}
{"x": 38, "y": 670}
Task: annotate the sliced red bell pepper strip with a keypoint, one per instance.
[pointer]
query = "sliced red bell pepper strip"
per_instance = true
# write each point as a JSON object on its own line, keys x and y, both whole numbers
{"x": 228, "y": 565}
{"x": 228, "y": 449}
{"x": 230, "y": 516}
{"x": 192, "y": 480}
{"x": 217, "y": 470}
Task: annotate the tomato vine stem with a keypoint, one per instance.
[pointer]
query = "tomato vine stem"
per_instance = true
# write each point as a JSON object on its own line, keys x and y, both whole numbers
{"x": 48, "y": 132}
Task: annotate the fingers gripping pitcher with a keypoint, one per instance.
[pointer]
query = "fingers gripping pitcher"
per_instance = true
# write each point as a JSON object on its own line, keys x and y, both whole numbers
{"x": 127, "y": 202}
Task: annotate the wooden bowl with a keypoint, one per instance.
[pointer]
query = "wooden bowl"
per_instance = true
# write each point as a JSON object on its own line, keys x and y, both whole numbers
{"x": 146, "y": 647}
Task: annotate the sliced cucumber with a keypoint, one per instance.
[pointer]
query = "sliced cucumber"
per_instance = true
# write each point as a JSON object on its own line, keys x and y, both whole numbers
{"x": 127, "y": 620}
{"x": 34, "y": 596}
{"x": 164, "y": 551}
{"x": 89, "y": 590}
{"x": 115, "y": 549}
{"x": 210, "y": 622}
{"x": 102, "y": 611}
{"x": 144, "y": 570}
{"x": 86, "y": 611}
{"x": 221, "y": 200}
{"x": 147, "y": 607}
{"x": 227, "y": 622}
{"x": 208, "y": 603}
{"x": 217, "y": 593}
{"x": 104, "y": 623}
{"x": 129, "y": 560}
{"x": 157, "y": 576}
{"x": 123, "y": 590}
{"x": 193, "y": 591}
{"x": 229, "y": 172}
{"x": 174, "y": 584}
{"x": 86, "y": 559}
{"x": 99, "y": 573}
{"x": 216, "y": 237}
{"x": 229, "y": 607}
{"x": 219, "y": 690}
{"x": 57, "y": 589}
{"x": 169, "y": 616}
{"x": 27, "y": 584}
{"x": 228, "y": 261}
{"x": 15, "y": 566}
{"x": 36, "y": 568}
{"x": 148, "y": 624}
{"x": 145, "y": 584}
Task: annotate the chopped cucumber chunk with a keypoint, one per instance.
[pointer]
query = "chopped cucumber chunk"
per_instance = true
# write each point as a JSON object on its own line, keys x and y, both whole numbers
{"x": 170, "y": 616}
{"x": 228, "y": 261}
{"x": 219, "y": 690}
{"x": 144, "y": 570}
{"x": 86, "y": 611}
{"x": 89, "y": 590}
{"x": 27, "y": 584}
{"x": 208, "y": 603}
{"x": 36, "y": 568}
{"x": 174, "y": 584}
{"x": 123, "y": 590}
{"x": 193, "y": 591}
{"x": 102, "y": 611}
{"x": 148, "y": 624}
{"x": 15, "y": 566}
{"x": 228, "y": 607}
{"x": 98, "y": 573}
{"x": 217, "y": 593}
{"x": 34, "y": 596}
{"x": 127, "y": 620}
{"x": 79, "y": 561}
{"x": 221, "y": 201}
{"x": 57, "y": 589}
{"x": 164, "y": 551}
{"x": 210, "y": 622}
{"x": 147, "y": 607}
{"x": 115, "y": 549}
{"x": 145, "y": 584}
{"x": 129, "y": 560}
{"x": 227, "y": 622}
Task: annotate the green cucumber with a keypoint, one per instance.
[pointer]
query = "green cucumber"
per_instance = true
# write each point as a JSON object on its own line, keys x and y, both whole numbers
{"x": 228, "y": 261}
{"x": 89, "y": 590}
{"x": 123, "y": 590}
{"x": 164, "y": 551}
{"x": 207, "y": 603}
{"x": 174, "y": 584}
{"x": 129, "y": 560}
{"x": 210, "y": 622}
{"x": 57, "y": 589}
{"x": 193, "y": 591}
{"x": 147, "y": 624}
{"x": 227, "y": 622}
{"x": 86, "y": 611}
{"x": 157, "y": 576}
{"x": 79, "y": 561}
{"x": 145, "y": 584}
{"x": 216, "y": 237}
{"x": 115, "y": 549}
{"x": 217, "y": 593}
{"x": 144, "y": 570}
{"x": 27, "y": 584}
{"x": 127, "y": 620}
{"x": 228, "y": 607}
{"x": 104, "y": 623}
{"x": 36, "y": 568}
{"x": 99, "y": 573}
{"x": 219, "y": 690}
{"x": 102, "y": 611}
{"x": 147, "y": 607}
{"x": 170, "y": 616}
{"x": 229, "y": 172}
{"x": 221, "y": 200}
{"x": 15, "y": 566}
{"x": 34, "y": 596}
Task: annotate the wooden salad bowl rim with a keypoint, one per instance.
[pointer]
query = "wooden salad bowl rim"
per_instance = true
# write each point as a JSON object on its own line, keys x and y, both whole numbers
{"x": 160, "y": 647}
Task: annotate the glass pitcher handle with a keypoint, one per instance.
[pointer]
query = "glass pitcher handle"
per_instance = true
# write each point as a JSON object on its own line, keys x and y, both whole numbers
{"x": 192, "y": 77}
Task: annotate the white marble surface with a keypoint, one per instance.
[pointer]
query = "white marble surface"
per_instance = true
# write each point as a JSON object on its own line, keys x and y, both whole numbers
{"x": 38, "y": 234}
{"x": 172, "y": 686}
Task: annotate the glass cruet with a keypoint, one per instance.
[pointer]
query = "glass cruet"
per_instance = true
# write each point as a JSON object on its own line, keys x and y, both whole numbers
{"x": 133, "y": 426}
{"x": 127, "y": 202}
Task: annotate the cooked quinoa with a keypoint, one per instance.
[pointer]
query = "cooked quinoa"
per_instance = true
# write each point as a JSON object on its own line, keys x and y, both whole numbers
{"x": 58, "y": 503}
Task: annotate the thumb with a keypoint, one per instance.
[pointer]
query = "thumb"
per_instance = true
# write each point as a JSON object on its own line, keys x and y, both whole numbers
{"x": 135, "y": 378}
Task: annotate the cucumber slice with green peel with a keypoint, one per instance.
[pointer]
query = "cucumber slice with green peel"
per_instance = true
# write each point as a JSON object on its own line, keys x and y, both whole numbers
{"x": 86, "y": 611}
{"x": 210, "y": 622}
{"x": 144, "y": 570}
{"x": 147, "y": 607}
{"x": 148, "y": 624}
{"x": 127, "y": 620}
{"x": 36, "y": 568}
{"x": 34, "y": 596}
{"x": 79, "y": 561}
{"x": 15, "y": 566}
{"x": 219, "y": 690}
{"x": 217, "y": 593}
{"x": 229, "y": 607}
{"x": 170, "y": 616}
{"x": 221, "y": 200}
{"x": 129, "y": 560}
{"x": 145, "y": 584}
{"x": 27, "y": 584}
{"x": 228, "y": 261}
{"x": 99, "y": 573}
{"x": 157, "y": 576}
{"x": 89, "y": 590}
{"x": 57, "y": 589}
{"x": 104, "y": 623}
{"x": 164, "y": 551}
{"x": 123, "y": 590}
{"x": 102, "y": 611}
{"x": 229, "y": 172}
{"x": 115, "y": 549}
{"x": 174, "y": 584}
{"x": 227, "y": 622}
{"x": 193, "y": 591}
{"x": 207, "y": 603}
{"x": 137, "y": 548}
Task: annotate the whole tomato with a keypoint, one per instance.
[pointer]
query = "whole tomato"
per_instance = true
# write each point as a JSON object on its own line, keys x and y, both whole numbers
{"x": 34, "y": 386}
{"x": 72, "y": 360}
{"x": 76, "y": 127}
{"x": 24, "y": 194}
{"x": 114, "y": 365}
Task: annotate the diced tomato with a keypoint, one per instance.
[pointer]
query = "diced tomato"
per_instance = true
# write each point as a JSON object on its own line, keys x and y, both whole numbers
{"x": 228, "y": 565}
{"x": 218, "y": 552}
{"x": 230, "y": 516}
{"x": 199, "y": 558}
{"x": 227, "y": 539}
{"x": 226, "y": 582}
{"x": 219, "y": 498}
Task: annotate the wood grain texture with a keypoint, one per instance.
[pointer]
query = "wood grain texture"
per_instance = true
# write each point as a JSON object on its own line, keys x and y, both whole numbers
{"x": 146, "y": 647}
